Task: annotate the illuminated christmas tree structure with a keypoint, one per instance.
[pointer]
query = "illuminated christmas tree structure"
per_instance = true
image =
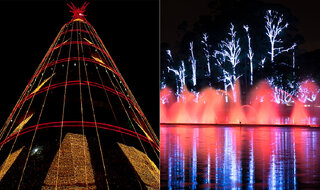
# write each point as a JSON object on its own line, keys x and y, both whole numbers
{"x": 77, "y": 124}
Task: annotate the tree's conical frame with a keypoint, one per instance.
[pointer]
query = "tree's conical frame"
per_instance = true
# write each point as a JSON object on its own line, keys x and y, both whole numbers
{"x": 77, "y": 92}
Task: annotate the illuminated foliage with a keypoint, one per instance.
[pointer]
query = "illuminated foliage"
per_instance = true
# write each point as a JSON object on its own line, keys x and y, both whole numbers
{"x": 228, "y": 55}
{"x": 274, "y": 26}
{"x": 265, "y": 49}
{"x": 250, "y": 53}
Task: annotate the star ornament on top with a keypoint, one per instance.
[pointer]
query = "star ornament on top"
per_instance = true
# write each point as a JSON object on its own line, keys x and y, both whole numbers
{"x": 78, "y": 12}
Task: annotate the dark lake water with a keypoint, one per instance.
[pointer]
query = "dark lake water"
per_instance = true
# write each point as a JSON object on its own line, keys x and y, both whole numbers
{"x": 197, "y": 157}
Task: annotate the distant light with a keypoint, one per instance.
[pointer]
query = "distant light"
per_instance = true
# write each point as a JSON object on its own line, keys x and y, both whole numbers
{"x": 36, "y": 150}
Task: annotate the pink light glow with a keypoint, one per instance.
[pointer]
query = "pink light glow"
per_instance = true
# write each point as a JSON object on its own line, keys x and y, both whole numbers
{"x": 299, "y": 114}
{"x": 210, "y": 108}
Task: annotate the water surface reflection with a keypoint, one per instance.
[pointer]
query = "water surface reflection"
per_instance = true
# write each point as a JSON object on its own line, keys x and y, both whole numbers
{"x": 239, "y": 157}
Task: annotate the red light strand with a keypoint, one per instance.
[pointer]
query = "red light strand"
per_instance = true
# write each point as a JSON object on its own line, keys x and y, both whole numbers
{"x": 77, "y": 82}
{"x": 79, "y": 124}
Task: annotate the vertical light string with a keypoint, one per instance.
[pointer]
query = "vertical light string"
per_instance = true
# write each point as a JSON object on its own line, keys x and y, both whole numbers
{"x": 40, "y": 114}
{"x": 120, "y": 89}
{"x": 12, "y": 147}
{"x": 81, "y": 103}
{"x": 94, "y": 116}
{"x": 63, "y": 110}
{"x": 99, "y": 42}
{"x": 124, "y": 108}
{"x": 102, "y": 56}
{"x": 27, "y": 89}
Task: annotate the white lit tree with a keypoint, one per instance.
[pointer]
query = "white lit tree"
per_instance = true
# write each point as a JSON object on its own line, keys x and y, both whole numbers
{"x": 282, "y": 94}
{"x": 170, "y": 61}
{"x": 226, "y": 56}
{"x": 274, "y": 26}
{"x": 193, "y": 64}
{"x": 181, "y": 78}
{"x": 307, "y": 91}
{"x": 204, "y": 41}
{"x": 250, "y": 53}
{"x": 262, "y": 62}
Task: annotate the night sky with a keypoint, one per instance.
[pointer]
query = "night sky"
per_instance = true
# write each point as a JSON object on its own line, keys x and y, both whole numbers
{"x": 173, "y": 12}
{"x": 128, "y": 28}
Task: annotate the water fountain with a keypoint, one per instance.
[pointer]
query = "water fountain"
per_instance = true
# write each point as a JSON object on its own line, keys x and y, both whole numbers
{"x": 209, "y": 107}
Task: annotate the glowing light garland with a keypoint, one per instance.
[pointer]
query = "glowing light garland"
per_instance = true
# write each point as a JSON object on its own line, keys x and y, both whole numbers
{"x": 91, "y": 52}
{"x": 79, "y": 124}
{"x": 77, "y": 82}
{"x": 64, "y": 60}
